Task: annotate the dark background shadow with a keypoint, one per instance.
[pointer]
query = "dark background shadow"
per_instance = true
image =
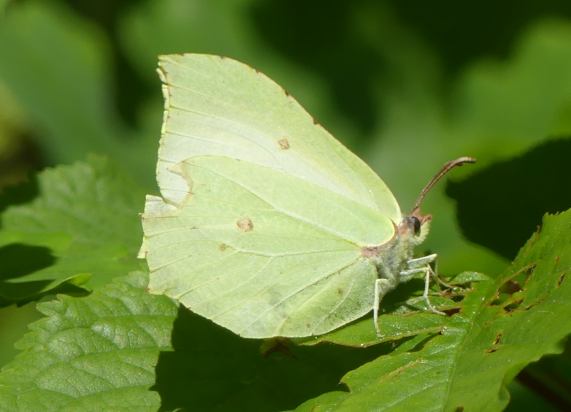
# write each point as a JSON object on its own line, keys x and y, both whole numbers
{"x": 18, "y": 260}
{"x": 324, "y": 37}
{"x": 503, "y": 204}
{"x": 213, "y": 369}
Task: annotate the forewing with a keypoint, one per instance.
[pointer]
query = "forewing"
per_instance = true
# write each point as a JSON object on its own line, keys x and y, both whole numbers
{"x": 262, "y": 252}
{"x": 218, "y": 106}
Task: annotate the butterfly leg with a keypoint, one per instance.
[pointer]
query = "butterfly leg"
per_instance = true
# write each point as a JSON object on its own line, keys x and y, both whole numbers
{"x": 428, "y": 273}
{"x": 421, "y": 262}
{"x": 421, "y": 265}
{"x": 382, "y": 286}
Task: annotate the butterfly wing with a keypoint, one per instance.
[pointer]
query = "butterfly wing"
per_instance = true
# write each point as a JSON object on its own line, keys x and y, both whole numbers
{"x": 262, "y": 252}
{"x": 218, "y": 106}
{"x": 263, "y": 214}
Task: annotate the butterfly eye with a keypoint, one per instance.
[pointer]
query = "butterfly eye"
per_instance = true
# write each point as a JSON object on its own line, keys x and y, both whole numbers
{"x": 416, "y": 225}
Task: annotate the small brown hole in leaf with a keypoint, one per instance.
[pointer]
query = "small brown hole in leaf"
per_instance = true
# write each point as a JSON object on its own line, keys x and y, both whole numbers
{"x": 528, "y": 307}
{"x": 451, "y": 311}
{"x": 459, "y": 409}
{"x": 496, "y": 300}
{"x": 529, "y": 271}
{"x": 491, "y": 350}
{"x": 510, "y": 307}
{"x": 339, "y": 291}
{"x": 498, "y": 339}
{"x": 222, "y": 247}
{"x": 245, "y": 224}
{"x": 283, "y": 144}
{"x": 510, "y": 287}
{"x": 457, "y": 298}
{"x": 561, "y": 279}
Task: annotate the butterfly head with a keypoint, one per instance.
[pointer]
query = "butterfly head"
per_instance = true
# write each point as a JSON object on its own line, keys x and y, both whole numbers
{"x": 415, "y": 225}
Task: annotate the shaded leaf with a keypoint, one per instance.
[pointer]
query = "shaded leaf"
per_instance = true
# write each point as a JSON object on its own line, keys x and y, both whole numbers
{"x": 518, "y": 191}
{"x": 212, "y": 369}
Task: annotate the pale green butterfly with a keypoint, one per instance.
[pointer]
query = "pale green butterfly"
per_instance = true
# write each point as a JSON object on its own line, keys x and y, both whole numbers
{"x": 267, "y": 225}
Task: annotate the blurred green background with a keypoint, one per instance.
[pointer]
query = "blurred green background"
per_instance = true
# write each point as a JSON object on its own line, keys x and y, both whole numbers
{"x": 405, "y": 84}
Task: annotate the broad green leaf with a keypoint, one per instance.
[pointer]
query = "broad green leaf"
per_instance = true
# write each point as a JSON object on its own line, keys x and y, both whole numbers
{"x": 14, "y": 322}
{"x": 82, "y": 227}
{"x": 92, "y": 353}
{"x": 503, "y": 325}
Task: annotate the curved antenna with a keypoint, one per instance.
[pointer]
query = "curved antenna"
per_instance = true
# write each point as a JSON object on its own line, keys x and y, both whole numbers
{"x": 443, "y": 171}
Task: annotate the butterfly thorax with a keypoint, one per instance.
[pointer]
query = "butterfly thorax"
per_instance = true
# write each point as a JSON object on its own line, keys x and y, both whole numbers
{"x": 392, "y": 258}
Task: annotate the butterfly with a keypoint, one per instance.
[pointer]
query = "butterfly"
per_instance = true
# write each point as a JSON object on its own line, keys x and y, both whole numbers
{"x": 266, "y": 224}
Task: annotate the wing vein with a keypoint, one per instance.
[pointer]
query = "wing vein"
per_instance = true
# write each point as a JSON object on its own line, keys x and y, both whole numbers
{"x": 297, "y": 291}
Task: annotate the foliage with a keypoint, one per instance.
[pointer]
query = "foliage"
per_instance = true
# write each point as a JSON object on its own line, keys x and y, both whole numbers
{"x": 80, "y": 227}
{"x": 503, "y": 324}
{"x": 485, "y": 342}
{"x": 92, "y": 353}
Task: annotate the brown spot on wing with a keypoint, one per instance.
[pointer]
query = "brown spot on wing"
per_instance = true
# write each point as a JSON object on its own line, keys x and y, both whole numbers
{"x": 245, "y": 224}
{"x": 283, "y": 144}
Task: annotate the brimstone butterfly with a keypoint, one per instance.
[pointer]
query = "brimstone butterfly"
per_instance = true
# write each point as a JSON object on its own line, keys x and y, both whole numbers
{"x": 266, "y": 224}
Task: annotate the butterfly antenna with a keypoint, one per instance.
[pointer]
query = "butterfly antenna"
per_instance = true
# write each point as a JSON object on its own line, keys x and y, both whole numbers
{"x": 445, "y": 169}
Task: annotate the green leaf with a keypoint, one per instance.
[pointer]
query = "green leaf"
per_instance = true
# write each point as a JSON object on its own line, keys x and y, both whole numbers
{"x": 404, "y": 315}
{"x": 93, "y": 353}
{"x": 14, "y": 322}
{"x": 504, "y": 324}
{"x": 81, "y": 228}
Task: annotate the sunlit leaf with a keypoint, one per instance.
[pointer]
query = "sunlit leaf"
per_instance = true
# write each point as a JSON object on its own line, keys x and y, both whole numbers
{"x": 93, "y": 353}
{"x": 81, "y": 227}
